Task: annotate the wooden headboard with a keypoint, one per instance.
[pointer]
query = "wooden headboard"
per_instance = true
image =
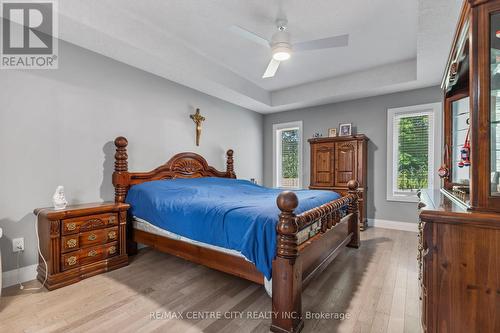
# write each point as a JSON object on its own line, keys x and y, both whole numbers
{"x": 182, "y": 165}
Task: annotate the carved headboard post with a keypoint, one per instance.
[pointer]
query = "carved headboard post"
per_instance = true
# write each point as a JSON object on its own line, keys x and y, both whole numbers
{"x": 121, "y": 175}
{"x": 230, "y": 164}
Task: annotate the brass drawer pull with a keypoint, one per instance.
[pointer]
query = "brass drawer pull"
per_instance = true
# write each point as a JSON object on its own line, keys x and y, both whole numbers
{"x": 92, "y": 253}
{"x": 112, "y": 250}
{"x": 112, "y": 235}
{"x": 71, "y": 260}
{"x": 97, "y": 221}
{"x": 111, "y": 220}
{"x": 71, "y": 243}
{"x": 92, "y": 237}
{"x": 71, "y": 226}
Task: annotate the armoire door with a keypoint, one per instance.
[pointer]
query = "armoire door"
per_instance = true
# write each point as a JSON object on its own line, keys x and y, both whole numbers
{"x": 322, "y": 159}
{"x": 346, "y": 164}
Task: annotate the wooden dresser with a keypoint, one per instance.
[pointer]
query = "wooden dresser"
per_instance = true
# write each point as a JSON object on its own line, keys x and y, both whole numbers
{"x": 335, "y": 161}
{"x": 459, "y": 261}
{"x": 81, "y": 241}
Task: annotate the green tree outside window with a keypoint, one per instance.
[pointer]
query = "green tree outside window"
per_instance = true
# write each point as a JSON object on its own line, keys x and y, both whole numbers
{"x": 290, "y": 153}
{"x": 413, "y": 153}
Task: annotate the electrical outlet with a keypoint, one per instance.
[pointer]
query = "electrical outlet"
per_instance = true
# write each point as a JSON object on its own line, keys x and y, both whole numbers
{"x": 18, "y": 244}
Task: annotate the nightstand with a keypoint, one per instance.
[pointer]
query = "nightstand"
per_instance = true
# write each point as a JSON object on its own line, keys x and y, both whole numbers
{"x": 81, "y": 241}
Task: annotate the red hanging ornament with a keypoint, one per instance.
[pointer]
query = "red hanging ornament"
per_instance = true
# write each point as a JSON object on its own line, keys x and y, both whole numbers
{"x": 443, "y": 171}
{"x": 465, "y": 152}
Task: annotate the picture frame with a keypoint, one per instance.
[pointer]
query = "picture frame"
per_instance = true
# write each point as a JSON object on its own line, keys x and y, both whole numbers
{"x": 345, "y": 129}
{"x": 332, "y": 132}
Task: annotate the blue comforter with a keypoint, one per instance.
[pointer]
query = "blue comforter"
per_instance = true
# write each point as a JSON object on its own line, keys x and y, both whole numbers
{"x": 230, "y": 213}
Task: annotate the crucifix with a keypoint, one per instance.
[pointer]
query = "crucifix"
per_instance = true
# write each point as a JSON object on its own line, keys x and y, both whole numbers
{"x": 198, "y": 119}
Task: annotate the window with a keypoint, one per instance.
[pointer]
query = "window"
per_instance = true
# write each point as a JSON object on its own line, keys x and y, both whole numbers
{"x": 287, "y": 152}
{"x": 413, "y": 150}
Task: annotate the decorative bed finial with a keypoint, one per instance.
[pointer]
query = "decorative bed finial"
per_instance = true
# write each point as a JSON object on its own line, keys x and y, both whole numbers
{"x": 353, "y": 185}
{"x": 198, "y": 119}
{"x": 287, "y": 226}
{"x": 121, "y": 156}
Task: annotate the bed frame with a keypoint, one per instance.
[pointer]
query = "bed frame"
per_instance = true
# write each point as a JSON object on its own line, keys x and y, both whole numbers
{"x": 306, "y": 243}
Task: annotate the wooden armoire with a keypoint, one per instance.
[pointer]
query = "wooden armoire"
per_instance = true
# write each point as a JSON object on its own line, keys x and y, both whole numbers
{"x": 335, "y": 161}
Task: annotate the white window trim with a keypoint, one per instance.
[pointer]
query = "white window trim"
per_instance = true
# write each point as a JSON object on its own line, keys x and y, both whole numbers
{"x": 276, "y": 149}
{"x": 435, "y": 142}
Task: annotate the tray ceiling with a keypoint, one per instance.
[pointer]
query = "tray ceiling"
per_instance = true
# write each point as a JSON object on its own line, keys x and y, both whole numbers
{"x": 394, "y": 45}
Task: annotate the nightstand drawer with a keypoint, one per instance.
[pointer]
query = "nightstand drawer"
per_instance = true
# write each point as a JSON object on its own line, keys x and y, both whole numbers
{"x": 86, "y": 223}
{"x": 99, "y": 236}
{"x": 70, "y": 260}
{"x": 89, "y": 238}
{"x": 70, "y": 243}
{"x": 88, "y": 255}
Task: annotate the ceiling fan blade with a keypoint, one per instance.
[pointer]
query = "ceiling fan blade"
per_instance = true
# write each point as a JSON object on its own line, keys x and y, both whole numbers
{"x": 271, "y": 68}
{"x": 324, "y": 43}
{"x": 249, "y": 35}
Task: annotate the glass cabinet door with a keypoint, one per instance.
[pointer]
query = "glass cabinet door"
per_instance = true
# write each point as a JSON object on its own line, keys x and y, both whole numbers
{"x": 495, "y": 104}
{"x": 460, "y": 115}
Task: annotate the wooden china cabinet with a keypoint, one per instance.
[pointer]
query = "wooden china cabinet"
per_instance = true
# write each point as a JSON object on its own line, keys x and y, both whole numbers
{"x": 459, "y": 229}
{"x": 335, "y": 161}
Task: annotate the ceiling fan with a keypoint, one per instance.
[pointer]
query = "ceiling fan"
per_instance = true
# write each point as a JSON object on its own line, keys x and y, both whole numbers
{"x": 282, "y": 48}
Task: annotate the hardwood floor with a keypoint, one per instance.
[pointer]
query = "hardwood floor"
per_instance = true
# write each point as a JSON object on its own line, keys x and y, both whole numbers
{"x": 376, "y": 286}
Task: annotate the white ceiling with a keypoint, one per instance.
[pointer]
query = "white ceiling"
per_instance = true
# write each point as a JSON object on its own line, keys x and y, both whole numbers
{"x": 394, "y": 45}
{"x": 203, "y": 25}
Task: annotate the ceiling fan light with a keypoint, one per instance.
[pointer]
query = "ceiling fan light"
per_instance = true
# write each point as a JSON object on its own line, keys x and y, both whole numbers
{"x": 281, "y": 56}
{"x": 282, "y": 53}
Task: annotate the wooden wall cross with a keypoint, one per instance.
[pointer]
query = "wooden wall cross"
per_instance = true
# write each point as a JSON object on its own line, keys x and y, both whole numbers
{"x": 198, "y": 119}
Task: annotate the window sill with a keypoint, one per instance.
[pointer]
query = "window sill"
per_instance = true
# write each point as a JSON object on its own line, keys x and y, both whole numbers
{"x": 403, "y": 198}
{"x": 289, "y": 188}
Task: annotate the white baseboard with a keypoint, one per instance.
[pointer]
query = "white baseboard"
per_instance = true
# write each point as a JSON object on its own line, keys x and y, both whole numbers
{"x": 26, "y": 274}
{"x": 397, "y": 225}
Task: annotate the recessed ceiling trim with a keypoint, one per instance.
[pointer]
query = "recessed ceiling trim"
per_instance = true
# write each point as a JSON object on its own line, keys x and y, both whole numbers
{"x": 353, "y": 83}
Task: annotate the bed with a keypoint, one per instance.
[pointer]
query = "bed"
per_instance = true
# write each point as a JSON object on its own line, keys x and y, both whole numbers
{"x": 276, "y": 238}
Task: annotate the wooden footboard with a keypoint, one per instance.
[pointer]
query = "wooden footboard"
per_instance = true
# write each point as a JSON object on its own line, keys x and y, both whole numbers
{"x": 298, "y": 261}
{"x": 306, "y": 243}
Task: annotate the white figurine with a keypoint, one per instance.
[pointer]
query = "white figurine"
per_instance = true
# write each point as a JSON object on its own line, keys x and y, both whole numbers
{"x": 58, "y": 199}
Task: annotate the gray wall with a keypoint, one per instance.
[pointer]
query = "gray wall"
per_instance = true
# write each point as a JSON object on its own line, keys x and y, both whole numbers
{"x": 57, "y": 127}
{"x": 368, "y": 116}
